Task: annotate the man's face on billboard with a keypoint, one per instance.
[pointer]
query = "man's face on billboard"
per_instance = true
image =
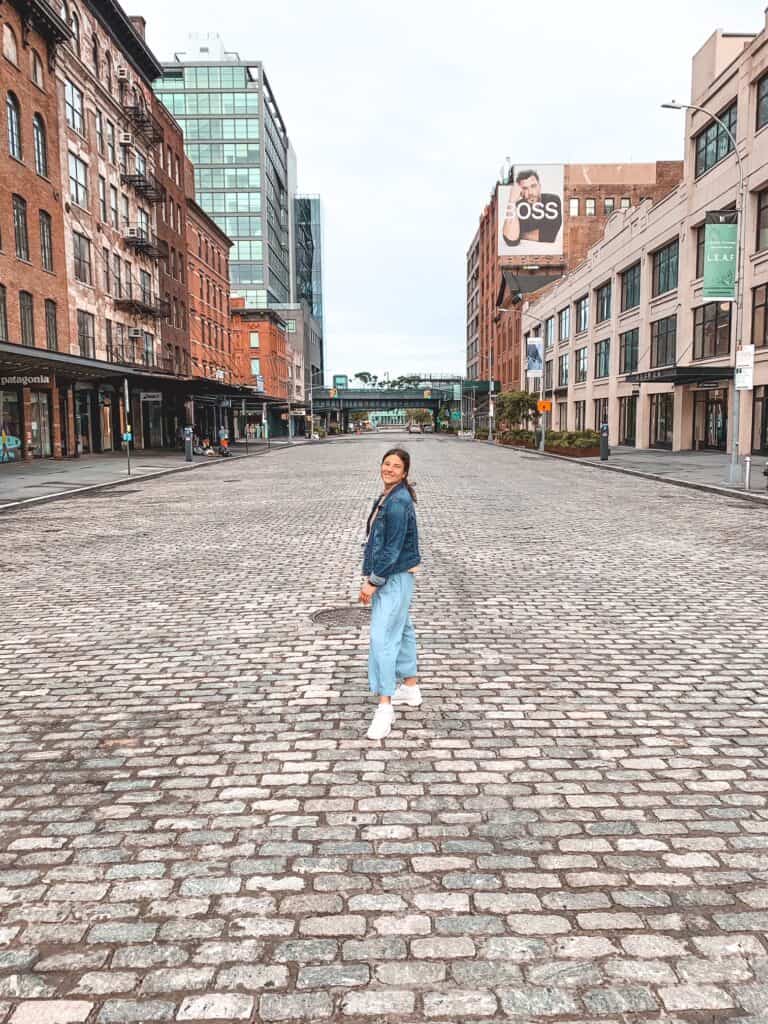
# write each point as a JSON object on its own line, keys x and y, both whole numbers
{"x": 531, "y": 189}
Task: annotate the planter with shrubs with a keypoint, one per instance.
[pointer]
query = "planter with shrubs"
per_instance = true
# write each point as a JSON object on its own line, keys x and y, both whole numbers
{"x": 577, "y": 444}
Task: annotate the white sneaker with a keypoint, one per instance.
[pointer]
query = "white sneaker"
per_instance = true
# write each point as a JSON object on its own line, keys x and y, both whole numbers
{"x": 381, "y": 724}
{"x": 408, "y": 695}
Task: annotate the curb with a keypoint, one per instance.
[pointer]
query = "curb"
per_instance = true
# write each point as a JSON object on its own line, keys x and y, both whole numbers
{"x": 43, "y": 499}
{"x": 757, "y": 499}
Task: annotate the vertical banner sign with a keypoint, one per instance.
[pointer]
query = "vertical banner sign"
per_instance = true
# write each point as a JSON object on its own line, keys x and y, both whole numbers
{"x": 745, "y": 368}
{"x": 535, "y": 356}
{"x": 720, "y": 242}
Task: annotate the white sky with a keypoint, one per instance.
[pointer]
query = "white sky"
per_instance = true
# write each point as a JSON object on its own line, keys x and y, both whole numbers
{"x": 402, "y": 113}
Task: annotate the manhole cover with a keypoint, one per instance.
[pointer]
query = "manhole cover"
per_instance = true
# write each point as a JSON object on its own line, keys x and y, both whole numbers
{"x": 350, "y": 615}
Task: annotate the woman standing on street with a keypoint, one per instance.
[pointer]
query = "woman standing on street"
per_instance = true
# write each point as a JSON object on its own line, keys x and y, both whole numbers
{"x": 391, "y": 558}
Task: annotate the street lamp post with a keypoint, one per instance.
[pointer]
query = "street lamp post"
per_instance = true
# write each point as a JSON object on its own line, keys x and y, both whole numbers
{"x": 734, "y": 466}
{"x": 542, "y": 431}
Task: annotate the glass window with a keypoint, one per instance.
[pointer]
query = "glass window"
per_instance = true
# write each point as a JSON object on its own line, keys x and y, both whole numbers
{"x": 662, "y": 420}
{"x": 111, "y": 142}
{"x": 37, "y": 70}
{"x": 86, "y": 334}
{"x": 626, "y": 202}
{"x": 601, "y": 412}
{"x": 609, "y": 205}
{"x": 100, "y": 132}
{"x": 46, "y": 240}
{"x": 549, "y": 332}
{"x": 78, "y": 181}
{"x": 589, "y": 207}
{"x": 3, "y": 314}
{"x": 95, "y": 54}
{"x": 630, "y": 288}
{"x": 13, "y": 113}
{"x": 580, "y": 414}
{"x": 548, "y": 375}
{"x": 108, "y": 72}
{"x": 573, "y": 207}
{"x": 27, "y": 316}
{"x": 712, "y": 330}
{"x": 105, "y": 269}
{"x": 74, "y": 24}
{"x": 700, "y": 231}
{"x": 628, "y": 350}
{"x": 664, "y": 342}
{"x": 117, "y": 275}
{"x": 103, "y": 199}
{"x": 603, "y": 358}
{"x": 255, "y": 367}
{"x": 762, "y": 102}
{"x": 73, "y": 105}
{"x": 604, "y": 302}
{"x": 562, "y": 370}
{"x": 562, "y": 415}
{"x": 20, "y": 231}
{"x": 10, "y": 47}
{"x": 762, "y": 219}
{"x": 665, "y": 263}
{"x": 564, "y": 324}
{"x": 128, "y": 280}
{"x": 113, "y": 214}
{"x": 254, "y": 339}
{"x": 582, "y": 314}
{"x": 713, "y": 143}
{"x": 82, "y": 252}
{"x": 41, "y": 146}
{"x": 760, "y": 316}
{"x": 582, "y": 365}
{"x": 51, "y": 327}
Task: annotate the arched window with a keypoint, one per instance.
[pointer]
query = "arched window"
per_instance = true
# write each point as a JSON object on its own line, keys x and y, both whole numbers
{"x": 41, "y": 146}
{"x": 74, "y": 24}
{"x": 64, "y": 12}
{"x": 37, "y": 69}
{"x": 14, "y": 125}
{"x": 108, "y": 71}
{"x": 10, "y": 49}
{"x": 95, "y": 55}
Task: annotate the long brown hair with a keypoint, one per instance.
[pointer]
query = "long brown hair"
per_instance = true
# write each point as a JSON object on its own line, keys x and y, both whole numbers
{"x": 405, "y": 458}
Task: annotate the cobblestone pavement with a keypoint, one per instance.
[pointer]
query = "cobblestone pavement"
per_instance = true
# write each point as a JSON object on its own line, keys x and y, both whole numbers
{"x": 573, "y": 827}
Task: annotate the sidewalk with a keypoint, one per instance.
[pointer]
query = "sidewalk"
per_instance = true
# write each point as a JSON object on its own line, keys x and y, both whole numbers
{"x": 20, "y": 481}
{"x": 708, "y": 469}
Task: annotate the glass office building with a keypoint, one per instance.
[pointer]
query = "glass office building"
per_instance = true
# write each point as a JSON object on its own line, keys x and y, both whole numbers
{"x": 309, "y": 253}
{"x": 236, "y": 139}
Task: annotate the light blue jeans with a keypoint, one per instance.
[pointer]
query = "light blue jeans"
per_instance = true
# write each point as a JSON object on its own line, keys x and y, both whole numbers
{"x": 392, "y": 654}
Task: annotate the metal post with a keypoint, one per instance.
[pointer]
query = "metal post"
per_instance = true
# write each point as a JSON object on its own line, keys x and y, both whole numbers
{"x": 245, "y": 425}
{"x": 127, "y": 423}
{"x": 187, "y": 444}
{"x": 747, "y": 472}
{"x": 543, "y": 421}
{"x": 265, "y": 422}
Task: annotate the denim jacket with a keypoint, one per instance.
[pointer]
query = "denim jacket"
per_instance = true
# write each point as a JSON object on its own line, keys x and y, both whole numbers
{"x": 393, "y": 543}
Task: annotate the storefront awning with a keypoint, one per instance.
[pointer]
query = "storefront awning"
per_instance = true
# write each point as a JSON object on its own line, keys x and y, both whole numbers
{"x": 680, "y": 375}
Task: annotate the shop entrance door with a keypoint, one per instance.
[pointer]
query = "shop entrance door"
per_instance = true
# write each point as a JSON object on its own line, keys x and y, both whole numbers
{"x": 105, "y": 412}
{"x": 662, "y": 420}
{"x": 83, "y": 426}
{"x": 710, "y": 420}
{"x": 152, "y": 422}
{"x": 41, "y": 425}
{"x": 628, "y": 420}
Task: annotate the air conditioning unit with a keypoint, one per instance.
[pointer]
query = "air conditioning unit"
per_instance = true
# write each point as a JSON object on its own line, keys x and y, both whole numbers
{"x": 122, "y": 74}
{"x": 134, "y": 233}
{"x": 135, "y": 332}
{"x": 126, "y": 139}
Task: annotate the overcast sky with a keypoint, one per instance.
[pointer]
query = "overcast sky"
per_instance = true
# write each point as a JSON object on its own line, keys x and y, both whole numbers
{"x": 402, "y": 113}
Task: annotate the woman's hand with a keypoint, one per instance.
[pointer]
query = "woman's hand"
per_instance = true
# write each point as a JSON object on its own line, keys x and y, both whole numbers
{"x": 366, "y": 593}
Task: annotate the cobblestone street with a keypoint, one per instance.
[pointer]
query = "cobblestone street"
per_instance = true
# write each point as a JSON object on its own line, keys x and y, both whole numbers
{"x": 572, "y": 828}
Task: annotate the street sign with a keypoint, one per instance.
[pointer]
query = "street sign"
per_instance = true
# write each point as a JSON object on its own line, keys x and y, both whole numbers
{"x": 544, "y": 405}
{"x": 745, "y": 368}
{"x": 127, "y": 437}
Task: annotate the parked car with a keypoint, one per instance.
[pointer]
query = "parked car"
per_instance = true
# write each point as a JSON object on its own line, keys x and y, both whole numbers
{"x": 427, "y": 429}
{"x": 414, "y": 428}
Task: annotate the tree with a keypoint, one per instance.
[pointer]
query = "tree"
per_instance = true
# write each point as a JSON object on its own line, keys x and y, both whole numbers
{"x": 364, "y": 378}
{"x": 515, "y": 407}
{"x": 359, "y": 417}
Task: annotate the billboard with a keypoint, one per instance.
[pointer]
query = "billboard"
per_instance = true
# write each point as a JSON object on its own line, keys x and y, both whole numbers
{"x": 535, "y": 356}
{"x": 530, "y": 211}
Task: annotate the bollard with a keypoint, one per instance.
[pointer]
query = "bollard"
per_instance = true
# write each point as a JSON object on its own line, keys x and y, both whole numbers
{"x": 604, "y": 442}
{"x": 747, "y": 472}
{"x": 187, "y": 444}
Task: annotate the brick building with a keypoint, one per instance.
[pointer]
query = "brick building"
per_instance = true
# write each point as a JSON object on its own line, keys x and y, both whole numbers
{"x": 33, "y": 280}
{"x": 265, "y": 362}
{"x": 591, "y": 194}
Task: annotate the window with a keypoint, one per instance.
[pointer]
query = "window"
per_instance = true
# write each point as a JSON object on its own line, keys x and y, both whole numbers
{"x": 290, "y": 326}
{"x": 713, "y": 143}
{"x": 27, "y": 316}
{"x": 105, "y": 269}
{"x": 564, "y": 324}
{"x": 41, "y": 146}
{"x": 626, "y": 202}
{"x": 117, "y": 275}
{"x": 700, "y": 231}
{"x": 604, "y": 302}
{"x": 255, "y": 367}
{"x": 10, "y": 47}
{"x": 111, "y": 142}
{"x": 582, "y": 314}
{"x": 100, "y": 132}
{"x": 103, "y": 199}
{"x": 602, "y": 358}
{"x": 125, "y": 209}
{"x": 630, "y": 288}
{"x": 86, "y": 334}
{"x": 712, "y": 330}
{"x": 562, "y": 415}
{"x": 78, "y": 181}
{"x": 74, "y": 24}
{"x": 46, "y": 241}
{"x": 3, "y": 314}
{"x": 562, "y": 370}
{"x": 141, "y": 163}
{"x": 13, "y": 112}
{"x": 113, "y": 215}
{"x": 573, "y": 207}
{"x": 128, "y": 280}
{"x": 665, "y": 262}
{"x": 254, "y": 338}
{"x": 549, "y": 332}
{"x": 762, "y": 219}
{"x": 20, "y": 232}
{"x": 664, "y": 342}
{"x": 37, "y": 70}
{"x": 145, "y": 284}
{"x": 82, "y": 251}
{"x": 580, "y": 414}
{"x": 581, "y": 365}
{"x": 548, "y": 375}
{"x": 628, "y": 350}
{"x": 601, "y": 412}
{"x": 51, "y": 328}
{"x": 95, "y": 54}
{"x": 760, "y": 316}
{"x": 609, "y": 205}
{"x": 73, "y": 105}
{"x": 108, "y": 71}
{"x": 589, "y": 207}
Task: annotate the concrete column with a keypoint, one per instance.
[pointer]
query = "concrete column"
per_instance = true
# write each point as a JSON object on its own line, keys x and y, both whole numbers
{"x": 55, "y": 417}
{"x": 26, "y": 429}
{"x": 682, "y": 432}
{"x": 643, "y": 424}
{"x": 746, "y": 407}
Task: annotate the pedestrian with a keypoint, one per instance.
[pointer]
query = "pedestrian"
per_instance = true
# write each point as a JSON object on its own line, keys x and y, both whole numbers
{"x": 390, "y": 561}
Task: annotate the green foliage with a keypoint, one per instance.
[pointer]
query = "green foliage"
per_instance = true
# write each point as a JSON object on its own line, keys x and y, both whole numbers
{"x": 481, "y": 435}
{"x": 572, "y": 439}
{"x": 519, "y": 437}
{"x": 516, "y": 407}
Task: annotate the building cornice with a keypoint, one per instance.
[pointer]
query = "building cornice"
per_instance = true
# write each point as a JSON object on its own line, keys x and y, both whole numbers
{"x": 117, "y": 23}
{"x": 43, "y": 18}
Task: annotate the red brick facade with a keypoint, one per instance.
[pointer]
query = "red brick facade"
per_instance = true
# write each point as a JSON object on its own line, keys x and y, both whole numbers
{"x": 260, "y": 334}
{"x": 209, "y": 297}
